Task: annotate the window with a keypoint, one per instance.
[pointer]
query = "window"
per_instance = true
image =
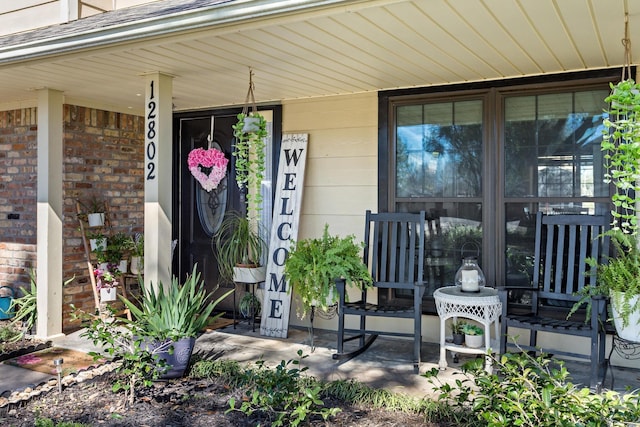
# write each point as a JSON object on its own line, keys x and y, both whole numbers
{"x": 483, "y": 160}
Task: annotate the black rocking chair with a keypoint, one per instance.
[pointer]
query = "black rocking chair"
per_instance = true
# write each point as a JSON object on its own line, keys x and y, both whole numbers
{"x": 394, "y": 251}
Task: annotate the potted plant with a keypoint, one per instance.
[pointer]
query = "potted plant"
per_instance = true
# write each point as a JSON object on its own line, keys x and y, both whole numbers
{"x": 239, "y": 242}
{"x": 137, "y": 253}
{"x": 473, "y": 335}
{"x": 172, "y": 318}
{"x": 239, "y": 245}
{"x": 314, "y": 264}
{"x": 106, "y": 281}
{"x": 96, "y": 209}
{"x": 97, "y": 241}
{"x": 117, "y": 249}
{"x": 457, "y": 330}
{"x": 249, "y": 305}
{"x": 249, "y": 154}
{"x": 620, "y": 278}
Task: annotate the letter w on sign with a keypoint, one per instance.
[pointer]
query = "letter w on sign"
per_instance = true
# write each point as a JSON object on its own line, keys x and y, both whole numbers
{"x": 286, "y": 217}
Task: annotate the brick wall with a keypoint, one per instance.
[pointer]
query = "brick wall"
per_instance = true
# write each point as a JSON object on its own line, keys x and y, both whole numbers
{"x": 104, "y": 158}
{"x": 18, "y": 187}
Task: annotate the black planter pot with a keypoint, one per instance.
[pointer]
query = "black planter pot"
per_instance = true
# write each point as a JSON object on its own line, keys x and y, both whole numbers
{"x": 458, "y": 339}
{"x": 178, "y": 360}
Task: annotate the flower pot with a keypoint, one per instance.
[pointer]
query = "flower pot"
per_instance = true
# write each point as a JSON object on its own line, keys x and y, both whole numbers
{"x": 107, "y": 294}
{"x": 328, "y": 302}
{"x": 6, "y": 296}
{"x": 95, "y": 219}
{"x": 136, "y": 264}
{"x": 98, "y": 244}
{"x": 249, "y": 274}
{"x": 630, "y": 332}
{"x": 177, "y": 360}
{"x": 123, "y": 265}
{"x": 473, "y": 341}
{"x": 249, "y": 306}
{"x": 251, "y": 124}
{"x": 458, "y": 339}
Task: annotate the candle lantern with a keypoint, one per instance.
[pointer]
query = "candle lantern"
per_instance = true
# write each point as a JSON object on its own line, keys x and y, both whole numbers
{"x": 469, "y": 276}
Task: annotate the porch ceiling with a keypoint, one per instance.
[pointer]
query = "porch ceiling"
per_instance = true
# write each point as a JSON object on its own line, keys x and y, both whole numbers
{"x": 310, "y": 48}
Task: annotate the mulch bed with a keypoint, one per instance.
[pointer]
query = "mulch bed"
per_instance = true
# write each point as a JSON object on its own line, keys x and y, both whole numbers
{"x": 174, "y": 403}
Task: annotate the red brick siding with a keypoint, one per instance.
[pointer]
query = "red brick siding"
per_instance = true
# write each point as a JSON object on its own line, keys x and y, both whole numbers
{"x": 104, "y": 157}
{"x": 18, "y": 187}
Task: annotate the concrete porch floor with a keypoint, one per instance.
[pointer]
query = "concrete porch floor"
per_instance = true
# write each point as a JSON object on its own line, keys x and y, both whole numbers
{"x": 386, "y": 364}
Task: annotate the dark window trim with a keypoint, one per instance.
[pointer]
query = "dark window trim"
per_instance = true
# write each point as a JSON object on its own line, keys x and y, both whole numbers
{"x": 494, "y": 93}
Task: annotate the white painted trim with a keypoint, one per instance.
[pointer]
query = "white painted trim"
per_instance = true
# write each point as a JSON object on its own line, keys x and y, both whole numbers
{"x": 49, "y": 217}
{"x": 158, "y": 190}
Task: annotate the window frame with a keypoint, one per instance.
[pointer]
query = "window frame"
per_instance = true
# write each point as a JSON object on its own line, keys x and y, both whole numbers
{"x": 493, "y": 199}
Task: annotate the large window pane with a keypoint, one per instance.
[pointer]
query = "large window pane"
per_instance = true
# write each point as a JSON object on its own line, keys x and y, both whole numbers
{"x": 534, "y": 147}
{"x": 552, "y": 145}
{"x": 455, "y": 232}
{"x": 439, "y": 150}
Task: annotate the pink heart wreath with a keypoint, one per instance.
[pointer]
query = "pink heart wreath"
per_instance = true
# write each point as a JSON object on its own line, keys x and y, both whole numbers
{"x": 212, "y": 158}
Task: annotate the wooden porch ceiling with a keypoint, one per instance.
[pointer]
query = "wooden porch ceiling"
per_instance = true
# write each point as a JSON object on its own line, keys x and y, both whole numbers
{"x": 310, "y": 48}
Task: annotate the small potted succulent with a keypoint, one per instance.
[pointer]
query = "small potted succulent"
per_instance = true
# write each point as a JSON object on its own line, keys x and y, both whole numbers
{"x": 473, "y": 335}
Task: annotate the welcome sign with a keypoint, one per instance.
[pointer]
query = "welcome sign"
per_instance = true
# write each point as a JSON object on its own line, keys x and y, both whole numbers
{"x": 286, "y": 217}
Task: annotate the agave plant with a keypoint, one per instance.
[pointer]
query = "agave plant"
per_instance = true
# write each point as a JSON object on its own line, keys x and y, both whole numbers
{"x": 180, "y": 311}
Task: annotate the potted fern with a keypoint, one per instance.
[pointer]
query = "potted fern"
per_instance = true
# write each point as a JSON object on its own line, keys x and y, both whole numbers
{"x": 314, "y": 264}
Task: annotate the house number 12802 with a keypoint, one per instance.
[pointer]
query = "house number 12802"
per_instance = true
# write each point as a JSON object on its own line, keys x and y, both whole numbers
{"x": 151, "y": 135}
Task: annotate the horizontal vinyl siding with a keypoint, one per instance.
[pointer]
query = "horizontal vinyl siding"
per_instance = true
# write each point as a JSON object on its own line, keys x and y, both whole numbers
{"x": 341, "y": 175}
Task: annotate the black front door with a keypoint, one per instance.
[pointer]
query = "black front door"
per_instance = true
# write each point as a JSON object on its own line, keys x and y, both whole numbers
{"x": 197, "y": 213}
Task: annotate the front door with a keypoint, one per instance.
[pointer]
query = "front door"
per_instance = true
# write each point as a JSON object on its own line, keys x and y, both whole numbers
{"x": 198, "y": 213}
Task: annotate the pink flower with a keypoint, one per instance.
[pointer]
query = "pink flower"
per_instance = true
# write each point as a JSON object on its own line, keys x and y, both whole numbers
{"x": 211, "y": 158}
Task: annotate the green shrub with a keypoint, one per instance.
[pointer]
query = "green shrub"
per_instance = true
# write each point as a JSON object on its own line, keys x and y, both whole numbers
{"x": 528, "y": 391}
{"x": 282, "y": 394}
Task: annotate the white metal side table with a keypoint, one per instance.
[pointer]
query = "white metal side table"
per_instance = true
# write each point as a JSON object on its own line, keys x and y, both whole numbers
{"x": 483, "y": 306}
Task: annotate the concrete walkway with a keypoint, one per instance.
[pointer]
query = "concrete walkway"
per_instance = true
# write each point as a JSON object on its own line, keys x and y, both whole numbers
{"x": 386, "y": 364}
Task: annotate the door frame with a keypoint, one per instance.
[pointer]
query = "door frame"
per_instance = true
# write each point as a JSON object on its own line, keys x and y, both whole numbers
{"x": 179, "y": 263}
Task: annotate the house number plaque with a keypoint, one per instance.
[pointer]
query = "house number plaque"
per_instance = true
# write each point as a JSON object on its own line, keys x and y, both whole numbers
{"x": 151, "y": 132}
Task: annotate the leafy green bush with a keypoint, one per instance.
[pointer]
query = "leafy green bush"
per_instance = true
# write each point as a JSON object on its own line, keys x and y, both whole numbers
{"x": 528, "y": 391}
{"x": 289, "y": 397}
{"x": 283, "y": 394}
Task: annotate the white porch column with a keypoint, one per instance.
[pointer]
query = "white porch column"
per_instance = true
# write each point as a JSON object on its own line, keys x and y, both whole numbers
{"x": 49, "y": 213}
{"x": 157, "y": 184}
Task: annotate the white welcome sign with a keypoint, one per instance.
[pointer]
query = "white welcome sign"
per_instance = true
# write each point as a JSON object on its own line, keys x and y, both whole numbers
{"x": 286, "y": 217}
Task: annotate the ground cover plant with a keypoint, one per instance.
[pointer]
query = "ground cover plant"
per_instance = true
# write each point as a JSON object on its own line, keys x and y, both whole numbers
{"x": 524, "y": 391}
{"x": 533, "y": 392}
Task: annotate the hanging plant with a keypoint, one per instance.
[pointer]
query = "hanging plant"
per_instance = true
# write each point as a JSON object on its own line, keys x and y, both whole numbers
{"x": 213, "y": 160}
{"x": 621, "y": 144}
{"x": 249, "y": 151}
